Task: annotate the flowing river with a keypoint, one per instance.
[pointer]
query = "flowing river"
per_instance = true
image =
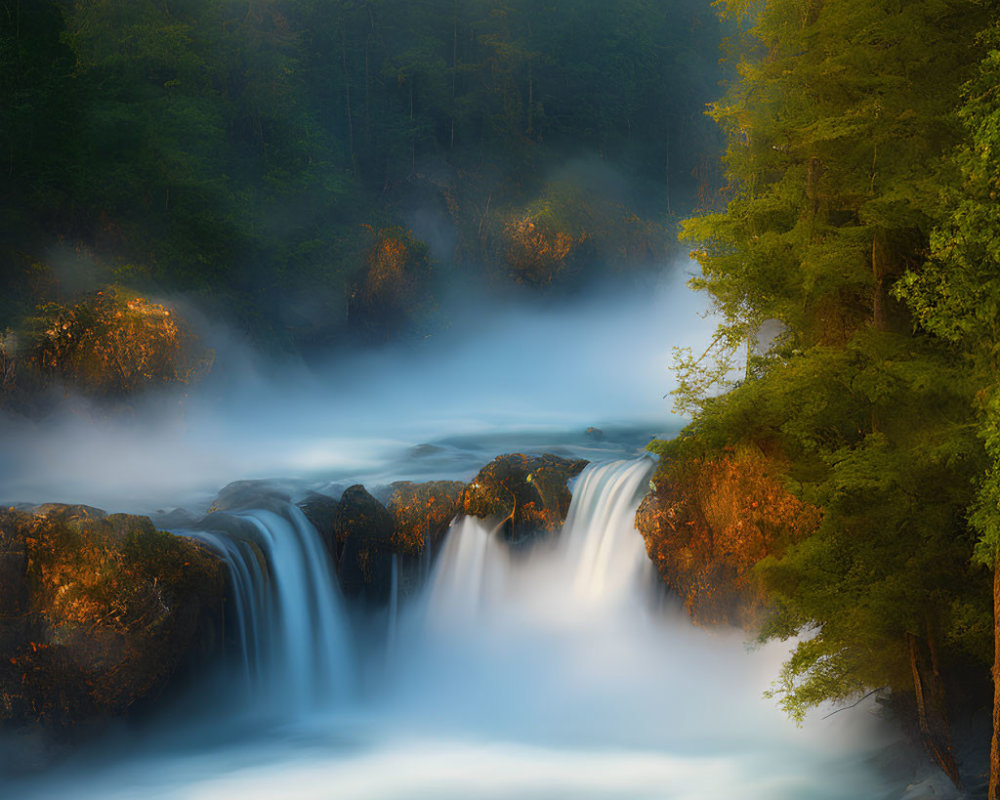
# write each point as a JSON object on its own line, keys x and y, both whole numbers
{"x": 553, "y": 673}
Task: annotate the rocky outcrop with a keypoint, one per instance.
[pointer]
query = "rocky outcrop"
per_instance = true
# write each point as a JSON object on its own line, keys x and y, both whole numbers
{"x": 528, "y": 495}
{"x": 97, "y": 612}
{"x": 321, "y": 510}
{"x": 240, "y": 495}
{"x": 361, "y": 540}
{"x": 362, "y": 535}
{"x": 707, "y": 522}
{"x": 422, "y": 512}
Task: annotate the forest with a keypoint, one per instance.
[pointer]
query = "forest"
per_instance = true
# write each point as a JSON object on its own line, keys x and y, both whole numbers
{"x": 318, "y": 172}
{"x": 321, "y": 174}
{"x": 856, "y": 267}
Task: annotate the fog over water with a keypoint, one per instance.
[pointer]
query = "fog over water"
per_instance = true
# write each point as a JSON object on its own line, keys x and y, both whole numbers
{"x": 502, "y": 369}
{"x": 560, "y": 675}
{"x": 550, "y": 677}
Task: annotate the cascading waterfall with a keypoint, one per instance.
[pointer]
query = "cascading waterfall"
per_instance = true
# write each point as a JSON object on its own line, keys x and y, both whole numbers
{"x": 248, "y": 577}
{"x": 393, "y": 618}
{"x": 536, "y": 674}
{"x": 601, "y": 545}
{"x": 293, "y": 630}
{"x": 597, "y": 562}
{"x": 469, "y": 572}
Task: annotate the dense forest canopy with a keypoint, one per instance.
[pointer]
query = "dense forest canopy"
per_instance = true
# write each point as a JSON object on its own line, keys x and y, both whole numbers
{"x": 862, "y": 230}
{"x": 322, "y": 171}
{"x": 288, "y": 162}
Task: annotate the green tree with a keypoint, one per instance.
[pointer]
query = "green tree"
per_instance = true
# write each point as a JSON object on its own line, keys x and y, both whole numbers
{"x": 236, "y": 148}
{"x": 837, "y": 127}
{"x": 957, "y": 297}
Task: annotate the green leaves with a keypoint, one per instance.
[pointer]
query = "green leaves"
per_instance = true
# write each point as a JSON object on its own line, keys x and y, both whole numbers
{"x": 838, "y": 132}
{"x": 834, "y": 128}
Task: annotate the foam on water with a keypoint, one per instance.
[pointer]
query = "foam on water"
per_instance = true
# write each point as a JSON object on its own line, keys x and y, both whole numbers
{"x": 542, "y": 675}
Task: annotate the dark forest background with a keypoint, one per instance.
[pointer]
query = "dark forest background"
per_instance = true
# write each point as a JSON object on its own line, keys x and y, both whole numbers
{"x": 317, "y": 174}
{"x": 319, "y": 171}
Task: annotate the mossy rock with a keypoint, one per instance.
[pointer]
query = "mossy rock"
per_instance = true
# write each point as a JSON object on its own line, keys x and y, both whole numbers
{"x": 707, "y": 522}
{"x": 528, "y": 495}
{"x": 98, "y": 612}
{"x": 321, "y": 511}
{"x": 241, "y": 495}
{"x": 360, "y": 541}
{"x": 421, "y": 513}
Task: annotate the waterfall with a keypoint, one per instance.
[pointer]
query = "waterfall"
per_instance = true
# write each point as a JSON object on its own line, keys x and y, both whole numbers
{"x": 598, "y": 563}
{"x": 293, "y": 631}
{"x": 527, "y": 674}
{"x": 392, "y": 621}
{"x": 249, "y": 579}
{"x": 469, "y": 572}
{"x": 602, "y": 550}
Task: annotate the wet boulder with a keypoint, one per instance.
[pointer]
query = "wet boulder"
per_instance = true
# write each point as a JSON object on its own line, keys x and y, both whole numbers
{"x": 360, "y": 541}
{"x": 528, "y": 495}
{"x": 98, "y": 612}
{"x": 321, "y": 511}
{"x": 240, "y": 495}
{"x": 421, "y": 513}
{"x": 359, "y": 516}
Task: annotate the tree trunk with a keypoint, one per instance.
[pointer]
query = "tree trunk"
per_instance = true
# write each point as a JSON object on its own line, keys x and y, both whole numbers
{"x": 931, "y": 716}
{"x": 368, "y": 102}
{"x": 994, "y": 789}
{"x": 454, "y": 77}
{"x": 666, "y": 171}
{"x": 879, "y": 317}
{"x": 531, "y": 98}
{"x": 814, "y": 173}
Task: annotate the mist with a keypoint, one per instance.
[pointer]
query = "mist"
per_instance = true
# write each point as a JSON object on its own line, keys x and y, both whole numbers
{"x": 408, "y": 237}
{"x": 557, "y": 676}
{"x": 505, "y": 371}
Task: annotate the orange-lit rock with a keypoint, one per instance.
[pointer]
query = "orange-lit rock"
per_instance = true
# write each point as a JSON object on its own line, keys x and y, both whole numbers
{"x": 422, "y": 512}
{"x": 706, "y": 523}
{"x": 97, "y": 612}
{"x": 528, "y": 494}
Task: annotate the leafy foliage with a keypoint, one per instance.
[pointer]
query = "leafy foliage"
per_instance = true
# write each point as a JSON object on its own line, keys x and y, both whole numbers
{"x": 106, "y": 609}
{"x": 114, "y": 344}
{"x": 392, "y": 290}
{"x": 838, "y": 129}
{"x": 236, "y": 150}
{"x": 711, "y": 517}
{"x": 956, "y": 294}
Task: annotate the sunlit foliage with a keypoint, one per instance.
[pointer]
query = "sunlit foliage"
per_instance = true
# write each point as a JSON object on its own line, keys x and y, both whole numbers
{"x": 839, "y": 128}
{"x": 710, "y": 520}
{"x": 392, "y": 291}
{"x": 98, "y": 611}
{"x": 113, "y": 344}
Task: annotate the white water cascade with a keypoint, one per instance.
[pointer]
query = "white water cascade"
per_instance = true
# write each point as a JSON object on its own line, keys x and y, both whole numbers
{"x": 293, "y": 631}
{"x": 601, "y": 547}
{"x": 596, "y": 563}
{"x": 542, "y": 674}
{"x": 471, "y": 571}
